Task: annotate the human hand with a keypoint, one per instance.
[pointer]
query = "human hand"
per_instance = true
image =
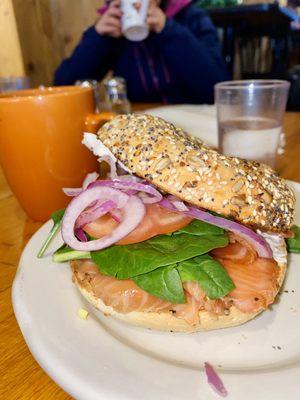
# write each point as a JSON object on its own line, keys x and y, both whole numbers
{"x": 156, "y": 19}
{"x": 109, "y": 24}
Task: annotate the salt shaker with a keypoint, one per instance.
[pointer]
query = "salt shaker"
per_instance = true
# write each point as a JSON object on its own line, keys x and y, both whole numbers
{"x": 116, "y": 96}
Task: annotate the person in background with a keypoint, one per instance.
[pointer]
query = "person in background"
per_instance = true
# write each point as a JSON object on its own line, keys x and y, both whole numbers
{"x": 179, "y": 62}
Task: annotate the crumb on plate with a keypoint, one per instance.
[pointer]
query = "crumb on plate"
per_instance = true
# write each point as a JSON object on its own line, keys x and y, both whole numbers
{"x": 82, "y": 313}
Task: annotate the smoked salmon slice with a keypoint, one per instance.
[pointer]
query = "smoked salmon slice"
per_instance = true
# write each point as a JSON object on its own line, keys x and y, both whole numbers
{"x": 157, "y": 221}
{"x": 123, "y": 295}
{"x": 188, "y": 311}
{"x": 255, "y": 278}
{"x": 238, "y": 250}
{"x": 255, "y": 282}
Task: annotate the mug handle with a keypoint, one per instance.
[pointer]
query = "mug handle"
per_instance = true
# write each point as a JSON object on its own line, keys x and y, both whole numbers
{"x": 94, "y": 121}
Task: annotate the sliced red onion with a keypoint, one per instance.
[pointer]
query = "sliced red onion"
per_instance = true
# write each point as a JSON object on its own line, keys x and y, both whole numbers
{"x": 180, "y": 206}
{"x": 128, "y": 177}
{"x": 214, "y": 380}
{"x": 92, "y": 177}
{"x": 87, "y": 180}
{"x": 144, "y": 197}
{"x": 257, "y": 241}
{"x": 133, "y": 213}
{"x": 116, "y": 215}
{"x": 72, "y": 192}
{"x": 154, "y": 195}
{"x": 177, "y": 203}
{"x": 80, "y": 234}
{"x": 96, "y": 211}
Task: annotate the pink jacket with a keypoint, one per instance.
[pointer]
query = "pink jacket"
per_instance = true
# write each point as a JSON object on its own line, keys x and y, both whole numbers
{"x": 173, "y": 7}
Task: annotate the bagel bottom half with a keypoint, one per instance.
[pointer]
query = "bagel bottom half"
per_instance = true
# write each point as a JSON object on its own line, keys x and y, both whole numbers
{"x": 165, "y": 321}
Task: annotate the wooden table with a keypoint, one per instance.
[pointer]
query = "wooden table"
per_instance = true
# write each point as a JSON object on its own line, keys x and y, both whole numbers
{"x": 21, "y": 376}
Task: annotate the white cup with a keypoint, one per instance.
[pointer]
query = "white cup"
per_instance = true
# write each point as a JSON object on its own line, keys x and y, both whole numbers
{"x": 133, "y": 21}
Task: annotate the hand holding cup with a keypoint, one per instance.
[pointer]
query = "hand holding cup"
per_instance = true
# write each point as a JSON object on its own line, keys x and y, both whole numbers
{"x": 156, "y": 18}
{"x": 131, "y": 18}
{"x": 109, "y": 24}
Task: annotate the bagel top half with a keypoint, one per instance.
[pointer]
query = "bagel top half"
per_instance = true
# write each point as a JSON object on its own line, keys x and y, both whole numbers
{"x": 178, "y": 164}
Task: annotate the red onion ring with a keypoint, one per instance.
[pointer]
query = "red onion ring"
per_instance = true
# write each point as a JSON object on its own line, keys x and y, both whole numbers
{"x": 116, "y": 215}
{"x": 80, "y": 234}
{"x": 177, "y": 203}
{"x": 128, "y": 177}
{"x": 154, "y": 197}
{"x": 87, "y": 180}
{"x": 72, "y": 192}
{"x": 94, "y": 212}
{"x": 133, "y": 213}
{"x": 92, "y": 177}
{"x": 257, "y": 241}
{"x": 214, "y": 380}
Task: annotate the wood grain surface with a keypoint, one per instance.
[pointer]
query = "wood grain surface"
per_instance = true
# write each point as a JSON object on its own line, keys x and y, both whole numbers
{"x": 21, "y": 376}
{"x": 10, "y": 51}
{"x": 49, "y": 30}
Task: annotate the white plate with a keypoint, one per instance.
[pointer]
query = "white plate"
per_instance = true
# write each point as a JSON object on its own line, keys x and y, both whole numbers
{"x": 106, "y": 359}
{"x": 198, "y": 120}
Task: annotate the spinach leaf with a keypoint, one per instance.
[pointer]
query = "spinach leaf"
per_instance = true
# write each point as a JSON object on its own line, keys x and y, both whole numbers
{"x": 131, "y": 260}
{"x": 65, "y": 253}
{"x": 200, "y": 228}
{"x": 210, "y": 274}
{"x": 57, "y": 217}
{"x": 164, "y": 283}
{"x": 293, "y": 244}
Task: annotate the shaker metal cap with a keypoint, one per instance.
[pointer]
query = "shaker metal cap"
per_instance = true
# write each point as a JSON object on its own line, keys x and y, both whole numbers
{"x": 115, "y": 82}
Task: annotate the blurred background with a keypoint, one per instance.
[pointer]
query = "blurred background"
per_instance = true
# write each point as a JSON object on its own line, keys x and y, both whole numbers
{"x": 41, "y": 133}
{"x": 259, "y": 38}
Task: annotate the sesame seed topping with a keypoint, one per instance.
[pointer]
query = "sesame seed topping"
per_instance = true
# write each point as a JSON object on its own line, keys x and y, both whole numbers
{"x": 140, "y": 142}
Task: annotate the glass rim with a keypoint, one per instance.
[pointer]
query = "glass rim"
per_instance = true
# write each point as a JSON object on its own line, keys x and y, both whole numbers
{"x": 48, "y": 91}
{"x": 14, "y": 78}
{"x": 256, "y": 84}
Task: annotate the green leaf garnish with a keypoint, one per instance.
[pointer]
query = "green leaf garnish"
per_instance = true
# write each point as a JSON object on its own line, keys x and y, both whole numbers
{"x": 210, "y": 275}
{"x": 164, "y": 283}
{"x": 200, "y": 228}
{"x": 131, "y": 260}
{"x": 65, "y": 253}
{"x": 162, "y": 264}
{"x": 56, "y": 217}
{"x": 293, "y": 244}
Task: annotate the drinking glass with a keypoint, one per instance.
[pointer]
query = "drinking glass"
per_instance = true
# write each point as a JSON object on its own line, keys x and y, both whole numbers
{"x": 250, "y": 115}
{"x": 12, "y": 83}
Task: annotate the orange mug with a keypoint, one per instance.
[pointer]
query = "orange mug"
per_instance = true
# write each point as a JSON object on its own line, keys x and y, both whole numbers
{"x": 40, "y": 144}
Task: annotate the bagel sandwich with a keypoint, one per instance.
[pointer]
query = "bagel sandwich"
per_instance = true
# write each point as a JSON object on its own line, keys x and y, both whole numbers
{"x": 178, "y": 237}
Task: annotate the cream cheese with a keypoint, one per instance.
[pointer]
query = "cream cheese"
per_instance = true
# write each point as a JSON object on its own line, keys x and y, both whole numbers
{"x": 278, "y": 246}
{"x": 93, "y": 143}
